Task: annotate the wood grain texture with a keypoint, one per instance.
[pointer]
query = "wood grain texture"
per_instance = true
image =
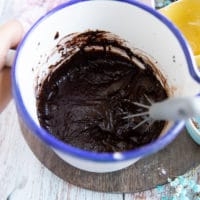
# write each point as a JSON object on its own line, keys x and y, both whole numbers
{"x": 168, "y": 191}
{"x": 19, "y": 166}
{"x": 147, "y": 173}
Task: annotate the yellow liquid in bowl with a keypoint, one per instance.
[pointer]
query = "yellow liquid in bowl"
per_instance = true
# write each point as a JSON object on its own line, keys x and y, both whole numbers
{"x": 185, "y": 14}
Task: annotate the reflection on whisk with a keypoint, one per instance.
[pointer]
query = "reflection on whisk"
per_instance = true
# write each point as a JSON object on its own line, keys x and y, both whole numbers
{"x": 178, "y": 108}
{"x": 144, "y": 115}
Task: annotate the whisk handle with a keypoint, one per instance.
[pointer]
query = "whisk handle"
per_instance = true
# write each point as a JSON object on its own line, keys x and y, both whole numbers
{"x": 178, "y": 108}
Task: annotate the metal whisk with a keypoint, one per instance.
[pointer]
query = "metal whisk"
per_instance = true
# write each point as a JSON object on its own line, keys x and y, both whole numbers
{"x": 177, "y": 108}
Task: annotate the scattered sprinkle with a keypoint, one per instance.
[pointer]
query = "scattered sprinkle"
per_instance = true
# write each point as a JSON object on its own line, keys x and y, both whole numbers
{"x": 160, "y": 188}
{"x": 191, "y": 183}
{"x": 173, "y": 198}
{"x": 182, "y": 188}
{"x": 164, "y": 198}
{"x": 178, "y": 190}
{"x": 169, "y": 180}
{"x": 163, "y": 171}
{"x": 162, "y": 3}
{"x": 196, "y": 188}
{"x": 174, "y": 183}
{"x": 183, "y": 197}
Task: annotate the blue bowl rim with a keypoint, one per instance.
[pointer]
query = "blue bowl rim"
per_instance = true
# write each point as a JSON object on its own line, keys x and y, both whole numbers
{"x": 102, "y": 157}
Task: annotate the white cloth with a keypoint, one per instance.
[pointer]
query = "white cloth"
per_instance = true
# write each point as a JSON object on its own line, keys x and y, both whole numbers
{"x": 29, "y": 11}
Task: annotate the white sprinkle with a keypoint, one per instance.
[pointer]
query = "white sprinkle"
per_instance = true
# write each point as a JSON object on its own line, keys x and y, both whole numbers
{"x": 163, "y": 171}
{"x": 178, "y": 189}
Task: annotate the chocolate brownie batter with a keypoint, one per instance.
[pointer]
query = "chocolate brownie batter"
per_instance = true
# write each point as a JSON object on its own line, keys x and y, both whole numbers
{"x": 83, "y": 101}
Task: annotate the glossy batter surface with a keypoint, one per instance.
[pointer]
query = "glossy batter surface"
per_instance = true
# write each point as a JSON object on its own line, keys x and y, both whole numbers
{"x": 84, "y": 101}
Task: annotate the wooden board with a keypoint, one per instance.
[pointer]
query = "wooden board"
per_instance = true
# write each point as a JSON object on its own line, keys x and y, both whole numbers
{"x": 180, "y": 156}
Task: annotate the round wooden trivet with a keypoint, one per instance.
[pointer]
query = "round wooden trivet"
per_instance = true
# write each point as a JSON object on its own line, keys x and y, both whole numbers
{"x": 177, "y": 158}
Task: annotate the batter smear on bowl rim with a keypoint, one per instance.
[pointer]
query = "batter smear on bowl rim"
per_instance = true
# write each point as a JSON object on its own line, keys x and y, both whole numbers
{"x": 85, "y": 97}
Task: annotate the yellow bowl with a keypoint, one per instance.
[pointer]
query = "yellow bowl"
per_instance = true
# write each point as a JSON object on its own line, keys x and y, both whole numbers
{"x": 185, "y": 14}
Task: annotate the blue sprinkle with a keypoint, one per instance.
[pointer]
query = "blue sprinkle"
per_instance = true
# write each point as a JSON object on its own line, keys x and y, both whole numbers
{"x": 164, "y": 198}
{"x": 173, "y": 198}
{"x": 185, "y": 182}
{"x": 181, "y": 179}
{"x": 196, "y": 188}
{"x": 184, "y": 192}
{"x": 186, "y": 198}
{"x": 160, "y": 4}
{"x": 183, "y": 197}
{"x": 160, "y": 188}
{"x": 167, "y": 3}
{"x": 191, "y": 184}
